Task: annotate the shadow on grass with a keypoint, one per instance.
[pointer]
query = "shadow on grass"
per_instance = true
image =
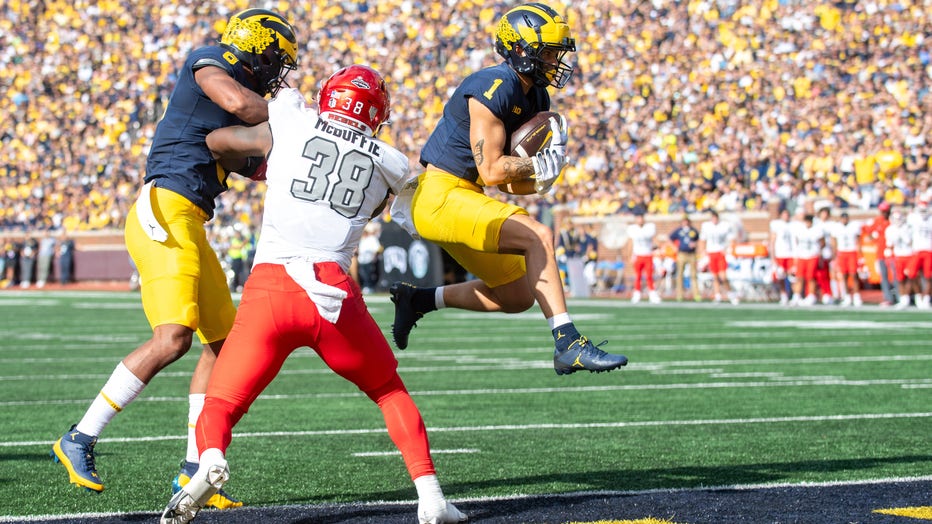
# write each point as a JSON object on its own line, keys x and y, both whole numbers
{"x": 666, "y": 478}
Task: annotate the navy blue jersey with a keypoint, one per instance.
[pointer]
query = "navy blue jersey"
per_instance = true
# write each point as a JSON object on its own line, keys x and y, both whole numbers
{"x": 499, "y": 89}
{"x": 686, "y": 238}
{"x": 179, "y": 159}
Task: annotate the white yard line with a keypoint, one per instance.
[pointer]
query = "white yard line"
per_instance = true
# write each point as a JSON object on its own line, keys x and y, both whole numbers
{"x": 522, "y": 427}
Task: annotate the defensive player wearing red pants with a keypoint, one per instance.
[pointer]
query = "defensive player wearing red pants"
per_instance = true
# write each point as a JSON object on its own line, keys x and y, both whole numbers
{"x": 327, "y": 176}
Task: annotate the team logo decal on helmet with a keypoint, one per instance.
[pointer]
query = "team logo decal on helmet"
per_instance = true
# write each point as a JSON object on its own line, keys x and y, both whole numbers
{"x": 264, "y": 41}
{"x": 533, "y": 39}
{"x": 355, "y": 96}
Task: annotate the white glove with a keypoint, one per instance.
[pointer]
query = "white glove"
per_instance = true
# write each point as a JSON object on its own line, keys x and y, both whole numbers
{"x": 559, "y": 139}
{"x": 548, "y": 164}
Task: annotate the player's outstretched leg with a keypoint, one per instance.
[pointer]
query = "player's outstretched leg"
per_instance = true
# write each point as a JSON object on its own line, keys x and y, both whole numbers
{"x": 220, "y": 500}
{"x": 411, "y": 303}
{"x": 574, "y": 353}
{"x": 75, "y": 451}
{"x": 204, "y": 484}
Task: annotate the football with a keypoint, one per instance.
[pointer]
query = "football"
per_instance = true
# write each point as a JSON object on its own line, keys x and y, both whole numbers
{"x": 534, "y": 135}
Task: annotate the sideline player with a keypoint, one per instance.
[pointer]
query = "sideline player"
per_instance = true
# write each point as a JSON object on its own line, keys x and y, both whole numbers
{"x": 781, "y": 251}
{"x": 716, "y": 237}
{"x": 846, "y": 244}
{"x": 510, "y": 253}
{"x": 327, "y": 176}
{"x": 184, "y": 289}
{"x": 808, "y": 241}
{"x": 641, "y": 237}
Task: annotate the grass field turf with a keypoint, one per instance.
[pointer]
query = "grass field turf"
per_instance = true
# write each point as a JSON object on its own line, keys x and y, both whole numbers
{"x": 713, "y": 396}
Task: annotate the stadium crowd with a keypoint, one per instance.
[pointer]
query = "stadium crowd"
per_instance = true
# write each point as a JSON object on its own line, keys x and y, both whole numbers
{"x": 674, "y": 107}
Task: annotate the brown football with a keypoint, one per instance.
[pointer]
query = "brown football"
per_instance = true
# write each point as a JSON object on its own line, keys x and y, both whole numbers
{"x": 533, "y": 135}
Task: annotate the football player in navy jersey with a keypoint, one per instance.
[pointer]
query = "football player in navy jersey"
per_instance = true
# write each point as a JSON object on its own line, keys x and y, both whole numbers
{"x": 510, "y": 253}
{"x": 184, "y": 289}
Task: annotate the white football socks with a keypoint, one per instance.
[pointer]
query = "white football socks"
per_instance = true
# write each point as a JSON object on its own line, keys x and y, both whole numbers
{"x": 560, "y": 319}
{"x": 121, "y": 388}
{"x": 195, "y": 405}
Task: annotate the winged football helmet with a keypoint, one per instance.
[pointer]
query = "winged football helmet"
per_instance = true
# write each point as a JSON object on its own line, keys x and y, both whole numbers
{"x": 533, "y": 39}
{"x": 264, "y": 41}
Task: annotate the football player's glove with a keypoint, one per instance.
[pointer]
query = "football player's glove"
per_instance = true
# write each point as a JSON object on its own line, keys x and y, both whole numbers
{"x": 548, "y": 164}
{"x": 255, "y": 168}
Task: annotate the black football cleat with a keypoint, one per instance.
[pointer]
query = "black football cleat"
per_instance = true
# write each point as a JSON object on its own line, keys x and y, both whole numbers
{"x": 406, "y": 316}
{"x": 582, "y": 355}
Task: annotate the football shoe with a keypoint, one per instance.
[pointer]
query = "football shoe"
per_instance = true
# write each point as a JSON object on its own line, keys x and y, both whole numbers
{"x": 75, "y": 451}
{"x": 194, "y": 496}
{"x": 582, "y": 355}
{"x": 220, "y": 499}
{"x": 446, "y": 514}
{"x": 406, "y": 315}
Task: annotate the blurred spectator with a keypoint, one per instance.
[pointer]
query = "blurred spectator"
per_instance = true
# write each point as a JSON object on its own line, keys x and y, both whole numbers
{"x": 236, "y": 253}
{"x": 675, "y": 106}
{"x": 46, "y": 256}
{"x": 886, "y": 263}
{"x": 65, "y": 258}
{"x": 686, "y": 240}
{"x": 27, "y": 261}
{"x": 368, "y": 257}
{"x": 11, "y": 257}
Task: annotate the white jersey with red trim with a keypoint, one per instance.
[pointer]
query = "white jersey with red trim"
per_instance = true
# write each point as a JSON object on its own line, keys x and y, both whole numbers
{"x": 642, "y": 239}
{"x": 921, "y": 226}
{"x": 324, "y": 183}
{"x": 716, "y": 236}
{"x": 807, "y": 241}
{"x": 900, "y": 239}
{"x": 846, "y": 235}
{"x": 782, "y": 234}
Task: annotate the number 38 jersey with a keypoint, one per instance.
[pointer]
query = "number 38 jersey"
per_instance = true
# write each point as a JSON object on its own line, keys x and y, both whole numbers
{"x": 497, "y": 88}
{"x": 324, "y": 182}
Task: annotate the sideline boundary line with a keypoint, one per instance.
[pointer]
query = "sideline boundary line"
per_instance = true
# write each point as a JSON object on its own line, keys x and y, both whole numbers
{"x": 734, "y": 487}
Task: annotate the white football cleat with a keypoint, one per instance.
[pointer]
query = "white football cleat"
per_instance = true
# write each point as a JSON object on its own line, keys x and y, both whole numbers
{"x": 857, "y": 300}
{"x": 654, "y": 297}
{"x": 446, "y": 514}
{"x": 184, "y": 505}
{"x": 635, "y": 297}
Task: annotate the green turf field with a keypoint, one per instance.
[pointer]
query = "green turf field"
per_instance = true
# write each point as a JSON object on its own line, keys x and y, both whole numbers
{"x": 713, "y": 396}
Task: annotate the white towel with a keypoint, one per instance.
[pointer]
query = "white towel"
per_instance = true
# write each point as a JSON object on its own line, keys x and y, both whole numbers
{"x": 150, "y": 224}
{"x": 328, "y": 299}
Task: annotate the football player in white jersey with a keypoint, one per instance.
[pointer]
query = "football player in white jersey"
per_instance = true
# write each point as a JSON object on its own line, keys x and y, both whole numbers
{"x": 899, "y": 238}
{"x": 920, "y": 223}
{"x": 641, "y": 237}
{"x": 715, "y": 237}
{"x": 327, "y": 176}
{"x": 781, "y": 251}
{"x": 808, "y": 241}
{"x": 846, "y": 244}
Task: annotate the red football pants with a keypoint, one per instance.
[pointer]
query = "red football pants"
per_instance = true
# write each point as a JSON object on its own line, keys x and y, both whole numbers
{"x": 644, "y": 267}
{"x": 275, "y": 317}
